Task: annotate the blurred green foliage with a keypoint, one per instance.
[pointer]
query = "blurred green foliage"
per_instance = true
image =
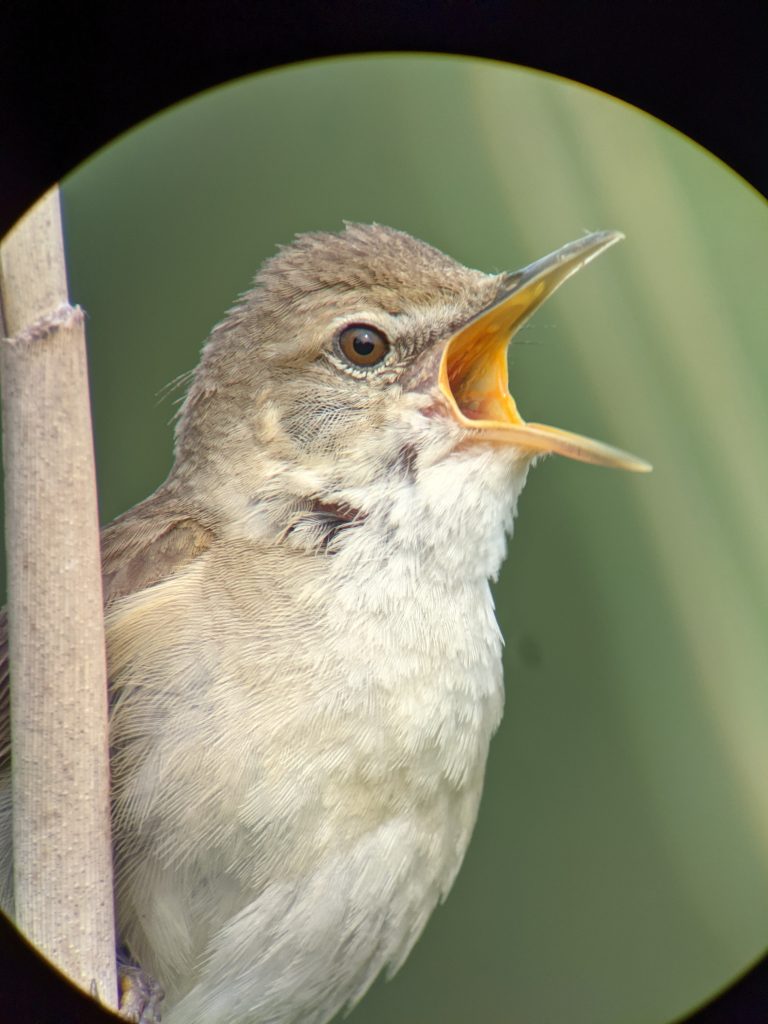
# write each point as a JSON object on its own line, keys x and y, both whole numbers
{"x": 618, "y": 868}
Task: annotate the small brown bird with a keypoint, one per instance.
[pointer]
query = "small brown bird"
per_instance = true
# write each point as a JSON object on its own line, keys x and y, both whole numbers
{"x": 304, "y": 664}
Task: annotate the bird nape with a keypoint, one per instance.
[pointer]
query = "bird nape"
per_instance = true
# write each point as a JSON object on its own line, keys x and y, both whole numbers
{"x": 304, "y": 664}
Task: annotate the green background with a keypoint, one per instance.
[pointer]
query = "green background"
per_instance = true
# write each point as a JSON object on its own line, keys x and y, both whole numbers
{"x": 618, "y": 871}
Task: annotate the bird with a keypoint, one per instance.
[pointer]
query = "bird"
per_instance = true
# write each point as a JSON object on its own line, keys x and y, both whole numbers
{"x": 303, "y": 657}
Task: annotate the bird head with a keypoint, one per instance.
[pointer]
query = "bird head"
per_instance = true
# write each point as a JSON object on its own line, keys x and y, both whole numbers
{"x": 362, "y": 357}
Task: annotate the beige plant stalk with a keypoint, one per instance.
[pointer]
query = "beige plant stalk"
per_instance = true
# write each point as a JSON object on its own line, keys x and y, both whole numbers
{"x": 62, "y": 845}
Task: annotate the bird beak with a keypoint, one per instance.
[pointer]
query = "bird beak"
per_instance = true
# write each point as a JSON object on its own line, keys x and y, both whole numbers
{"x": 473, "y": 374}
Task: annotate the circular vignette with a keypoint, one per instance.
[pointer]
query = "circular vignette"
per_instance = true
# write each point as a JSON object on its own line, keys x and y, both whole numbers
{"x": 486, "y": 239}
{"x": 72, "y": 84}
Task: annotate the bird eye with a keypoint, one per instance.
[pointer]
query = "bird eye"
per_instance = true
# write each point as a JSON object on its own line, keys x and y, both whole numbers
{"x": 363, "y": 346}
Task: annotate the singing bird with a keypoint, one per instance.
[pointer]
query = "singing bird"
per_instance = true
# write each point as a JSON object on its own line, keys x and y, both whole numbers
{"x": 304, "y": 664}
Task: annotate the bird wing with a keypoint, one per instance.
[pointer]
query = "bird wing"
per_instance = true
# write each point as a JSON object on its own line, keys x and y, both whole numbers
{"x": 143, "y": 547}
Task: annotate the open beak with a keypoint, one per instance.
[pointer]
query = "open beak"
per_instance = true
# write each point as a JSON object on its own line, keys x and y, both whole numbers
{"x": 473, "y": 374}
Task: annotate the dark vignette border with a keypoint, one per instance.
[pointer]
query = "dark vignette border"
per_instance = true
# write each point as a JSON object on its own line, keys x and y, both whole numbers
{"x": 72, "y": 77}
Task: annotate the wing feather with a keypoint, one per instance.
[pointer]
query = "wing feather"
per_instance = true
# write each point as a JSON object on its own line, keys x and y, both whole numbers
{"x": 143, "y": 547}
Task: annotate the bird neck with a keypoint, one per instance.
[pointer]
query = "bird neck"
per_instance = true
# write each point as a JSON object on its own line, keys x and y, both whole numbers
{"x": 447, "y": 521}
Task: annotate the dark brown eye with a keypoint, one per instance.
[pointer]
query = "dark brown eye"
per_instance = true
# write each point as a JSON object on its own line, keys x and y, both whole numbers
{"x": 363, "y": 346}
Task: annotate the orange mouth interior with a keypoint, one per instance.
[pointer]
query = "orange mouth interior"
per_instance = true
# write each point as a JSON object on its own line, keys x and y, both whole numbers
{"x": 473, "y": 371}
{"x": 478, "y": 380}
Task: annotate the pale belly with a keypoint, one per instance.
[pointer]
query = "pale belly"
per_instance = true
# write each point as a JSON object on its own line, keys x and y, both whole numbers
{"x": 305, "y": 946}
{"x": 297, "y": 885}
{"x": 312, "y": 855}
{"x": 284, "y": 834}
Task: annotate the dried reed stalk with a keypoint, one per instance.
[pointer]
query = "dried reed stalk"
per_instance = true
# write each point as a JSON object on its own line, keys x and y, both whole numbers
{"x": 62, "y": 841}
